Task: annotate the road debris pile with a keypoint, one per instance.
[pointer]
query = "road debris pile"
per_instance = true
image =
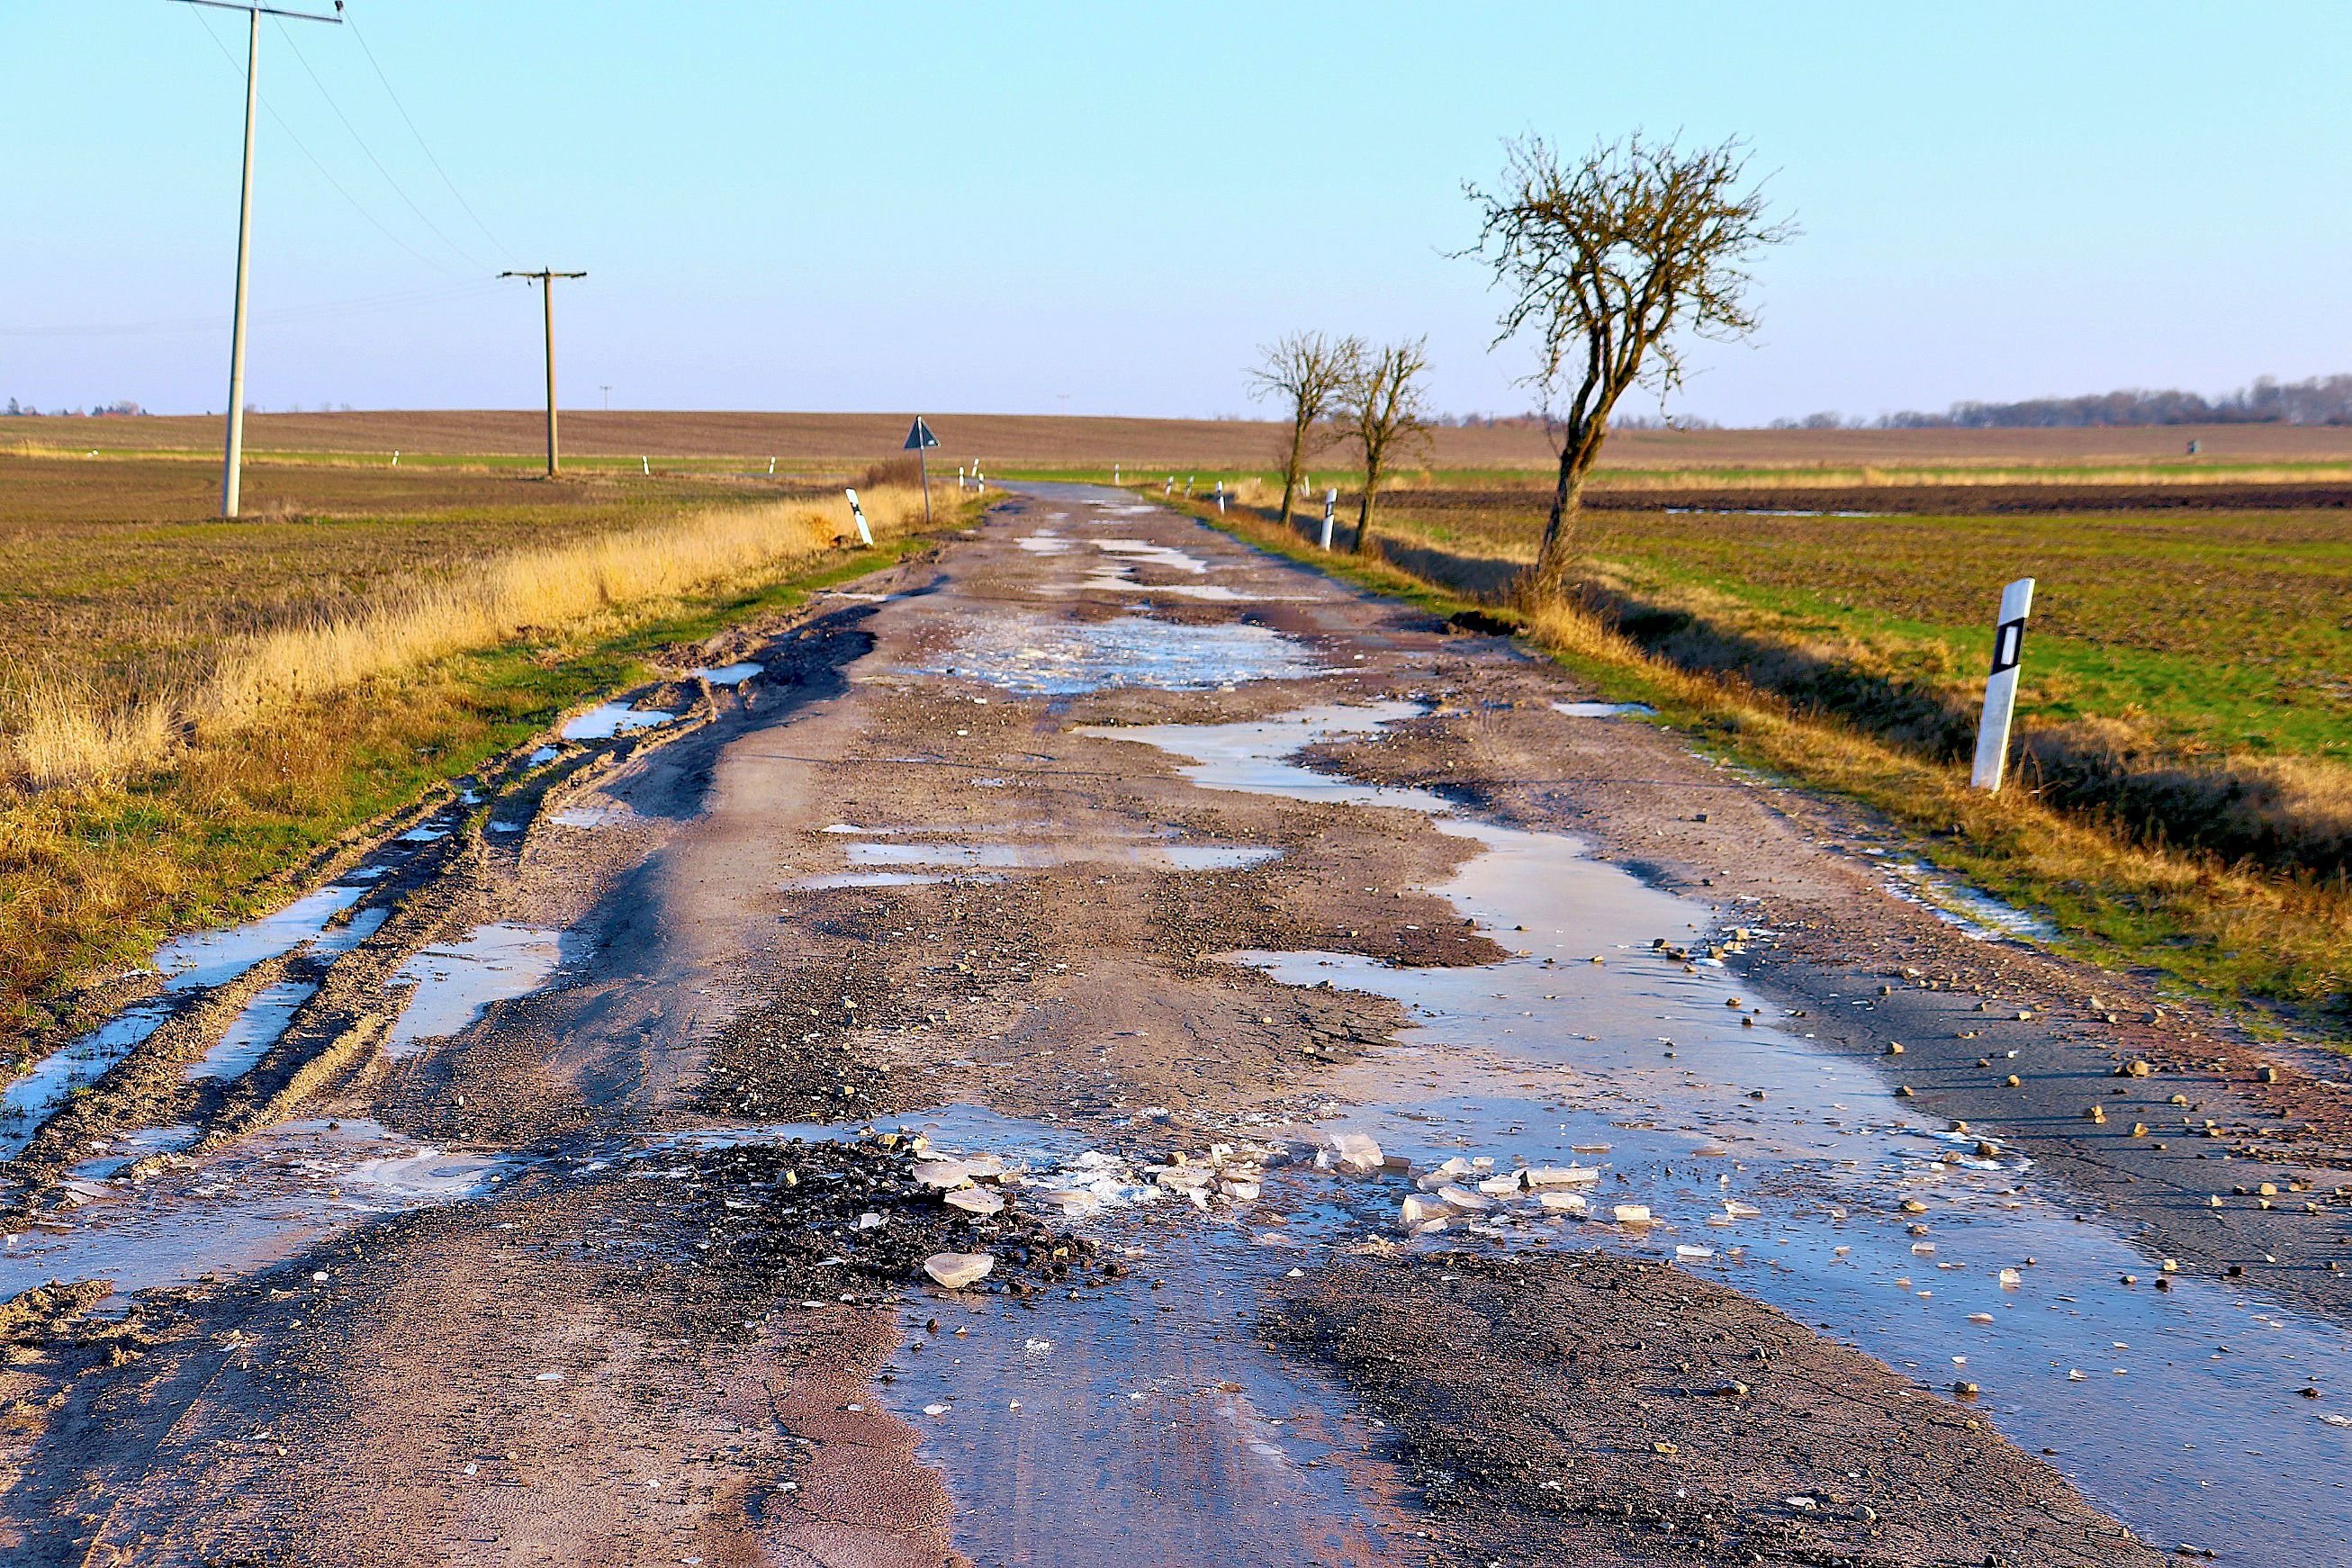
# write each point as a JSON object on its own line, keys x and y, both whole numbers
{"x": 825, "y": 1221}
{"x": 1223, "y": 1178}
{"x": 1583, "y": 1405}
{"x": 1472, "y": 1195}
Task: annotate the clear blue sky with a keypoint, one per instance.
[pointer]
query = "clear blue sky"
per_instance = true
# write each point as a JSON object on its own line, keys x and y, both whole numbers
{"x": 1098, "y": 209}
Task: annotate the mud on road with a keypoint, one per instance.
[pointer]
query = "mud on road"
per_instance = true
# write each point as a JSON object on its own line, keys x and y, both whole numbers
{"x": 1404, "y": 1120}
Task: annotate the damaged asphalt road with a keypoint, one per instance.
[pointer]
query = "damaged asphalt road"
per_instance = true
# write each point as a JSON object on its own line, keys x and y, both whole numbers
{"x": 1110, "y": 1046}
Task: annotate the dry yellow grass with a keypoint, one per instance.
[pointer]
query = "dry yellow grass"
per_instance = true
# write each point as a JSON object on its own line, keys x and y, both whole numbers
{"x": 67, "y": 732}
{"x": 2283, "y": 936}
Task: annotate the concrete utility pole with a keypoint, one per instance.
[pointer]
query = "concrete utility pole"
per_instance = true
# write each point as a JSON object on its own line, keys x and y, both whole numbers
{"x": 545, "y": 278}
{"x": 233, "y": 453}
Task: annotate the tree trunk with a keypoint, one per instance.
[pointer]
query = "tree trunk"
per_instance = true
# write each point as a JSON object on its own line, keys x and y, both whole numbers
{"x": 1546, "y": 581}
{"x": 1290, "y": 470}
{"x": 1364, "y": 509}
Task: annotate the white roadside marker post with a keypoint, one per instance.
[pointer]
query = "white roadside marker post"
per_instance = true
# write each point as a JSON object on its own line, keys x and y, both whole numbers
{"x": 1190, "y": 480}
{"x": 865, "y": 534}
{"x": 646, "y": 464}
{"x": 2000, "y": 685}
{"x": 395, "y": 459}
{"x": 1221, "y": 497}
{"x": 1114, "y": 473}
{"x": 1169, "y": 488}
{"x": 1330, "y": 502}
{"x": 772, "y": 467}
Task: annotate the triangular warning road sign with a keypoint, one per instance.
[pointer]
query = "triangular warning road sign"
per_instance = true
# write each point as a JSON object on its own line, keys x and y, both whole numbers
{"x": 920, "y": 435}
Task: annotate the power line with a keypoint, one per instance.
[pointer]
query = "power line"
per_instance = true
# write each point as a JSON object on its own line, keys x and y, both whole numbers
{"x": 323, "y": 172}
{"x": 396, "y": 190}
{"x": 321, "y": 309}
{"x": 353, "y": 22}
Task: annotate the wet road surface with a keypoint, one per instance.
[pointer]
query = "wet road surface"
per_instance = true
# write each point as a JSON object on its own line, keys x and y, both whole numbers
{"x": 1087, "y": 844}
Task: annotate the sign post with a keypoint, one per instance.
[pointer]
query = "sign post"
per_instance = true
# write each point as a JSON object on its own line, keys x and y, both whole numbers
{"x": 919, "y": 441}
{"x": 865, "y": 534}
{"x": 2000, "y": 685}
{"x": 1330, "y": 501}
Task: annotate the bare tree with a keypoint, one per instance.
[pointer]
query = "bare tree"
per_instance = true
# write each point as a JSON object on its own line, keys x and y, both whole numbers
{"x": 1607, "y": 261}
{"x": 1308, "y": 371}
{"x": 1384, "y": 410}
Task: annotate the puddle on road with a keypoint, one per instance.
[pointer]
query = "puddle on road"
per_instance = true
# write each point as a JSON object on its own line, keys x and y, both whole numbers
{"x": 1118, "y": 574}
{"x": 1147, "y": 1424}
{"x": 1033, "y": 857}
{"x": 865, "y": 880}
{"x": 30, "y": 1100}
{"x": 1603, "y": 709}
{"x": 606, "y": 721}
{"x": 1968, "y": 910}
{"x": 458, "y": 982}
{"x": 1037, "y": 657}
{"x": 341, "y": 939}
{"x": 251, "y": 1033}
{"x": 206, "y": 959}
{"x": 614, "y": 815}
{"x": 199, "y": 962}
{"x": 264, "y": 1199}
{"x": 1166, "y": 556}
{"x": 113, "y": 1153}
{"x": 2178, "y": 1411}
{"x": 730, "y": 674}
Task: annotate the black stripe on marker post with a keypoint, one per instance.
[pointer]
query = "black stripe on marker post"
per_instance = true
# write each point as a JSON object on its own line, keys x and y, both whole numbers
{"x": 2008, "y": 645}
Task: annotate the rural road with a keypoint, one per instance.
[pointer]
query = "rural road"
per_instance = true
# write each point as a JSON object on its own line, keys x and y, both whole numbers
{"x": 1092, "y": 839}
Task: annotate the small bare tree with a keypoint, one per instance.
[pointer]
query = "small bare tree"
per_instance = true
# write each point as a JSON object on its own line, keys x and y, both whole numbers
{"x": 1607, "y": 261}
{"x": 1308, "y": 371}
{"x": 1384, "y": 410}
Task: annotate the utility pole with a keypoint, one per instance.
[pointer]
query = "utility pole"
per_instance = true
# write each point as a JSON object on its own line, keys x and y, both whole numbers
{"x": 233, "y": 453}
{"x": 545, "y": 278}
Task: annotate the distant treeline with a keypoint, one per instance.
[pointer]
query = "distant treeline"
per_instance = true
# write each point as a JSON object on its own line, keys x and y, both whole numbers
{"x": 2322, "y": 400}
{"x": 1534, "y": 421}
{"x": 123, "y": 409}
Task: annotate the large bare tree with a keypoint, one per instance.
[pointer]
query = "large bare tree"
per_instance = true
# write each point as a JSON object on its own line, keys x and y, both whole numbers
{"x": 1308, "y": 371}
{"x": 1384, "y": 410}
{"x": 1608, "y": 262}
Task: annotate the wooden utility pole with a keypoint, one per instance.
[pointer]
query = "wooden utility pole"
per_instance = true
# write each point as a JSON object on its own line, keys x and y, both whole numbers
{"x": 545, "y": 278}
{"x": 233, "y": 452}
